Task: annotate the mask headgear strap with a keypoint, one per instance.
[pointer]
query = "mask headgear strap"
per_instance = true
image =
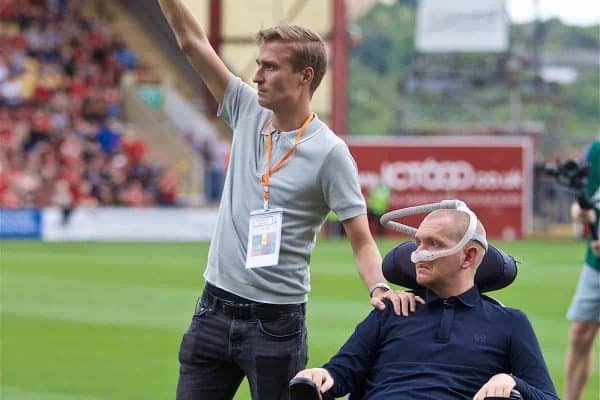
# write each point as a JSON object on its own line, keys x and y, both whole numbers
{"x": 471, "y": 234}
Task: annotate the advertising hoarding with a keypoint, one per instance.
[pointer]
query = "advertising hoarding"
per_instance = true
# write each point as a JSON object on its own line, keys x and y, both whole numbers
{"x": 461, "y": 26}
{"x": 492, "y": 175}
{"x": 22, "y": 223}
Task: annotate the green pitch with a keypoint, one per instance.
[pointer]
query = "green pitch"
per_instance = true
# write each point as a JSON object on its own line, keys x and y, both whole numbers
{"x": 104, "y": 321}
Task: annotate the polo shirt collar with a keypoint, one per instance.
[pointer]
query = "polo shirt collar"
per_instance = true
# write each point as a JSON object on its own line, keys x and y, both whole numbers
{"x": 311, "y": 130}
{"x": 469, "y": 298}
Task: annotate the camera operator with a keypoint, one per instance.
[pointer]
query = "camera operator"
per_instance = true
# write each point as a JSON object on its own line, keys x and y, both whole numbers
{"x": 585, "y": 307}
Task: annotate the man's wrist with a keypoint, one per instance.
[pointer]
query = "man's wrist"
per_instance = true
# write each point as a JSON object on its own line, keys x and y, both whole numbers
{"x": 520, "y": 385}
{"x": 379, "y": 285}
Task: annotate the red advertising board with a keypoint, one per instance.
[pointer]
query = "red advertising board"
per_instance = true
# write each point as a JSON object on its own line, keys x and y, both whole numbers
{"x": 493, "y": 175}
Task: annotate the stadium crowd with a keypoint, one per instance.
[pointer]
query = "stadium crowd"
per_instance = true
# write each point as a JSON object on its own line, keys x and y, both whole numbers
{"x": 62, "y": 142}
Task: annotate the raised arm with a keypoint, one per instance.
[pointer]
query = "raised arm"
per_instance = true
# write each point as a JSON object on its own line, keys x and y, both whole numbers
{"x": 195, "y": 45}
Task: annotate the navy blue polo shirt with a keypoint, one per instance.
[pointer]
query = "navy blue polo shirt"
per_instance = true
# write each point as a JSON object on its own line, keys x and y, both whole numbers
{"x": 447, "y": 349}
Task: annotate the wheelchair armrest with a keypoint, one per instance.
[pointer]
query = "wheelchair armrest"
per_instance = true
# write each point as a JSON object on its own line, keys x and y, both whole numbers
{"x": 514, "y": 395}
{"x": 305, "y": 389}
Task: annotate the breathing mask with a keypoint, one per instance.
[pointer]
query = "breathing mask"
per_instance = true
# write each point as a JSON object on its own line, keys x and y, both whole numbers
{"x": 429, "y": 255}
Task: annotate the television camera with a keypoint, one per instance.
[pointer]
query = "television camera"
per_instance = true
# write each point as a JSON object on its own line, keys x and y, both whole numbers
{"x": 573, "y": 175}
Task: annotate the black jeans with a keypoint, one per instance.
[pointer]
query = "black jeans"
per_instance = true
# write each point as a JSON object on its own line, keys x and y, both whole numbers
{"x": 219, "y": 349}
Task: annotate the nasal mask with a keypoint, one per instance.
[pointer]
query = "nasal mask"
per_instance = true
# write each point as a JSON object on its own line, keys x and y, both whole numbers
{"x": 429, "y": 255}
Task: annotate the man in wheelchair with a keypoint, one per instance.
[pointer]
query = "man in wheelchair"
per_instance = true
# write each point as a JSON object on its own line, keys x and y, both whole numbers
{"x": 460, "y": 344}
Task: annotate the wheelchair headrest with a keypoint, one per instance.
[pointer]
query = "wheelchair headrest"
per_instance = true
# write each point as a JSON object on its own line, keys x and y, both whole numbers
{"x": 497, "y": 269}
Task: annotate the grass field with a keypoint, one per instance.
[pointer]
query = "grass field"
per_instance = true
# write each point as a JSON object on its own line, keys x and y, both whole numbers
{"x": 104, "y": 321}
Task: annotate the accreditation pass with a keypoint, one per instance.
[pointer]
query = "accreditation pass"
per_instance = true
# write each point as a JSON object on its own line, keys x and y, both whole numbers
{"x": 264, "y": 238}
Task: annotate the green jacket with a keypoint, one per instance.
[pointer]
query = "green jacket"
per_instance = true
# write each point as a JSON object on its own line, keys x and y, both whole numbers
{"x": 593, "y": 193}
{"x": 378, "y": 201}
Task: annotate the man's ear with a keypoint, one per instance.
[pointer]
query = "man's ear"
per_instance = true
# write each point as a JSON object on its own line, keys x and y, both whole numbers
{"x": 307, "y": 75}
{"x": 471, "y": 254}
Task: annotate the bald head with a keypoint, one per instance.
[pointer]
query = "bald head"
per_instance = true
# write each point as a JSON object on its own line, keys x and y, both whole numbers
{"x": 455, "y": 224}
{"x": 444, "y": 261}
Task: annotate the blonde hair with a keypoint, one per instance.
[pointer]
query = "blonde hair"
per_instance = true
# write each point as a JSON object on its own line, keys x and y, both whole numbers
{"x": 307, "y": 47}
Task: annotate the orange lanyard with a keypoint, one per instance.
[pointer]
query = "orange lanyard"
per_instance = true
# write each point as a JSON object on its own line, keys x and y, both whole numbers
{"x": 266, "y": 177}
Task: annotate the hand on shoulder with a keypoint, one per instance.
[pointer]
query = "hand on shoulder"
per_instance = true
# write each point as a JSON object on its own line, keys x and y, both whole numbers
{"x": 403, "y": 303}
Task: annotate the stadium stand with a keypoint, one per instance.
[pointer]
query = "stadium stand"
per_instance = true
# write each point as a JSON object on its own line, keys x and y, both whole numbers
{"x": 62, "y": 139}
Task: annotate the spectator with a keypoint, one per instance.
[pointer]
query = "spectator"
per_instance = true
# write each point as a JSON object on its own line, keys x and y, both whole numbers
{"x": 584, "y": 311}
{"x": 59, "y": 110}
{"x": 378, "y": 203}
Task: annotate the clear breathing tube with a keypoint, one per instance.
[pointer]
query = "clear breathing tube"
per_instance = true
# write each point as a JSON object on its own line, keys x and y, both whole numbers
{"x": 428, "y": 255}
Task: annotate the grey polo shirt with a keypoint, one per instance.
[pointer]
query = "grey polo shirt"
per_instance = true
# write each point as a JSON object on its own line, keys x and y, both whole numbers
{"x": 321, "y": 175}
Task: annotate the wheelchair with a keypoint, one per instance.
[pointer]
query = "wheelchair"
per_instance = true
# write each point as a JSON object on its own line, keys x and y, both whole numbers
{"x": 496, "y": 271}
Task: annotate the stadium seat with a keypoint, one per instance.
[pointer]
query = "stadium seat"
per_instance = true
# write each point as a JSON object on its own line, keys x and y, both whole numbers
{"x": 496, "y": 271}
{"x": 66, "y": 143}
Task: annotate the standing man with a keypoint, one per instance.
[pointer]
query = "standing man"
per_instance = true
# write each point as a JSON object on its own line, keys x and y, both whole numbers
{"x": 585, "y": 307}
{"x": 287, "y": 170}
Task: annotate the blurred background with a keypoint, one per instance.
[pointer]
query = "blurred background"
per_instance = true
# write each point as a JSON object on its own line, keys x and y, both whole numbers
{"x": 112, "y": 164}
{"x": 98, "y": 108}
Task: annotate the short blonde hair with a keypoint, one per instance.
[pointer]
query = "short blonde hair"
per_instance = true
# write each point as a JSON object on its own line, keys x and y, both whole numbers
{"x": 307, "y": 47}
